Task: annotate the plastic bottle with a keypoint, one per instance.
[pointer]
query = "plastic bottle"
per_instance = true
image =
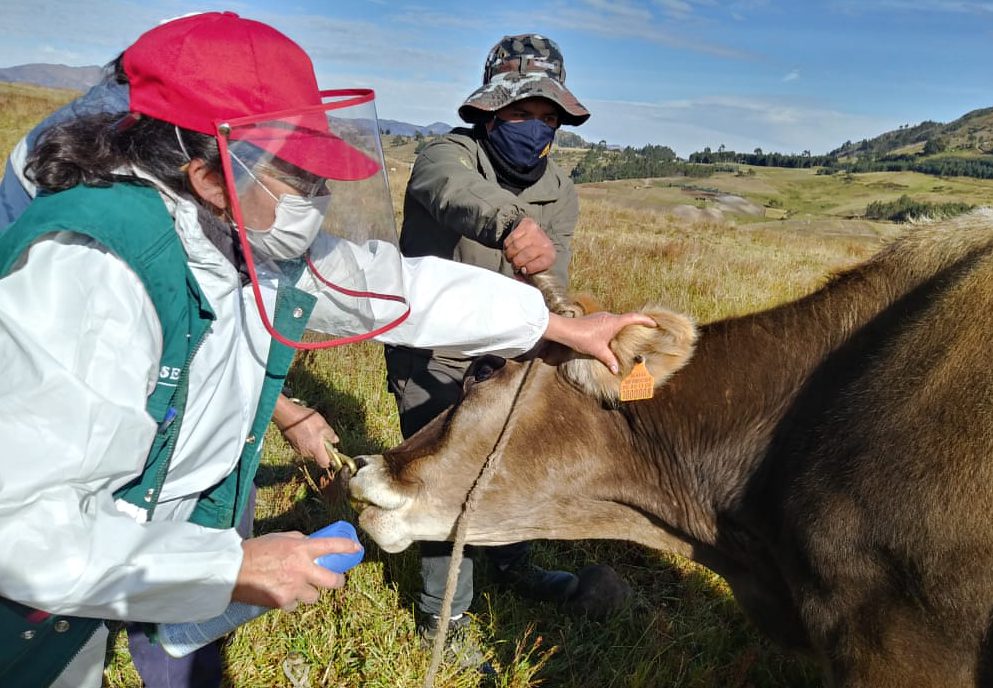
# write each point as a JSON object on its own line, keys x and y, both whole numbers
{"x": 180, "y": 639}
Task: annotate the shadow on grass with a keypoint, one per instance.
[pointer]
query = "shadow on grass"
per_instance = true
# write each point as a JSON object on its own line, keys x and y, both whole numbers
{"x": 682, "y": 628}
{"x": 344, "y": 409}
{"x": 325, "y": 501}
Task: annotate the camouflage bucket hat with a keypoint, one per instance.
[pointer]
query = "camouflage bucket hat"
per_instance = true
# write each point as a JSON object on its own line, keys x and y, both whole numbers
{"x": 519, "y": 67}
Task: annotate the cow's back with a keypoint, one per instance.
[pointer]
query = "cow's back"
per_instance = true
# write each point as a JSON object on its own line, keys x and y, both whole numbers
{"x": 886, "y": 458}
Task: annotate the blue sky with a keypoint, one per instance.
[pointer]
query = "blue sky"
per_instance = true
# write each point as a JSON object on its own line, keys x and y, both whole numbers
{"x": 783, "y": 75}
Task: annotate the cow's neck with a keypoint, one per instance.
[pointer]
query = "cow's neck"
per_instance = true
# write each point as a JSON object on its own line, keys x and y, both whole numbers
{"x": 711, "y": 426}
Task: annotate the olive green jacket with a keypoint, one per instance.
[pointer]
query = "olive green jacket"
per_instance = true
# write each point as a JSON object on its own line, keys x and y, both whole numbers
{"x": 455, "y": 209}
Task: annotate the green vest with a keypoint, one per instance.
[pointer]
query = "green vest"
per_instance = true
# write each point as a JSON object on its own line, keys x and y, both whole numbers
{"x": 132, "y": 222}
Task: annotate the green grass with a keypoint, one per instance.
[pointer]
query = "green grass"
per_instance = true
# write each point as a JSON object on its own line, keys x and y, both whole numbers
{"x": 803, "y": 194}
{"x": 683, "y": 629}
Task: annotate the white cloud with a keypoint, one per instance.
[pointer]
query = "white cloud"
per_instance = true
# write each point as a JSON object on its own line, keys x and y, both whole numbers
{"x": 622, "y": 9}
{"x": 675, "y": 8}
{"x": 609, "y": 23}
{"x": 90, "y": 33}
{"x": 423, "y": 62}
{"x": 49, "y": 53}
{"x": 860, "y": 7}
{"x": 738, "y": 123}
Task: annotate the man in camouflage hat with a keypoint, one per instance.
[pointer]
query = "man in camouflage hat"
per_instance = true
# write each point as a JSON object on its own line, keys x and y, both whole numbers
{"x": 521, "y": 67}
{"x": 488, "y": 195}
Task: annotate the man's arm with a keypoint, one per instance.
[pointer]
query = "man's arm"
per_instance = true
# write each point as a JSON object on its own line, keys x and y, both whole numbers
{"x": 447, "y": 184}
{"x": 528, "y": 248}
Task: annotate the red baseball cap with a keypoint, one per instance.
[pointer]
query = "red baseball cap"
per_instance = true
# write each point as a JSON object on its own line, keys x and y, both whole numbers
{"x": 200, "y": 71}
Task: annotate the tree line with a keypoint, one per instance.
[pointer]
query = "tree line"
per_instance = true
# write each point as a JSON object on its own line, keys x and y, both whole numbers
{"x": 980, "y": 167}
{"x": 760, "y": 158}
{"x": 601, "y": 163}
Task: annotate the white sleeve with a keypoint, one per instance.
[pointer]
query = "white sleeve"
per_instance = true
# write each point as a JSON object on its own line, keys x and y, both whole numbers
{"x": 80, "y": 343}
{"x": 467, "y": 310}
{"x": 462, "y": 309}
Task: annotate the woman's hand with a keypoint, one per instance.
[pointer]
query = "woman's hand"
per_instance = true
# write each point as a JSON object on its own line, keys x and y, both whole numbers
{"x": 279, "y": 569}
{"x": 305, "y": 429}
{"x": 592, "y": 334}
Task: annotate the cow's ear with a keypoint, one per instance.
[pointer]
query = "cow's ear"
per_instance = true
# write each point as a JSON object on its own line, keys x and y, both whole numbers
{"x": 664, "y": 349}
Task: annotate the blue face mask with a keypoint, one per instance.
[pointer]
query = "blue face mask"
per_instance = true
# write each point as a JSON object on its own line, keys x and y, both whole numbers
{"x": 523, "y": 144}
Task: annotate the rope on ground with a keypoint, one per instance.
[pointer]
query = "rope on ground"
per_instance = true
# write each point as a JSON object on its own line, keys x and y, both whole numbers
{"x": 296, "y": 669}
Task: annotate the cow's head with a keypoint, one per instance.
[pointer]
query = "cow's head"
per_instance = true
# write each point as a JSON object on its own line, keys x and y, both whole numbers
{"x": 559, "y": 460}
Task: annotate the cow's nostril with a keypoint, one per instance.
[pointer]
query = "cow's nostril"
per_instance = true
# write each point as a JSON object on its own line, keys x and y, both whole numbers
{"x": 360, "y": 462}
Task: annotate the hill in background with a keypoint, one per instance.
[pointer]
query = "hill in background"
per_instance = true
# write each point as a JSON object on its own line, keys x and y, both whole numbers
{"x": 970, "y": 134}
{"x": 392, "y": 127}
{"x": 52, "y": 75}
{"x": 973, "y": 132}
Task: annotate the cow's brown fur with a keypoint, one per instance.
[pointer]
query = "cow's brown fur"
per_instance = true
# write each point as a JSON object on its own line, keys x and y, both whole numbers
{"x": 832, "y": 458}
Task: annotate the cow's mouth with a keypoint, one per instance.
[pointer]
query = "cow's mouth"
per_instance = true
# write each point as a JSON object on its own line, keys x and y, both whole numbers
{"x": 383, "y": 511}
{"x": 371, "y": 486}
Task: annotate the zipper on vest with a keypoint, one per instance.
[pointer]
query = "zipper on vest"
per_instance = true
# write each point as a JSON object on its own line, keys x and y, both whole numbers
{"x": 78, "y": 650}
{"x": 183, "y": 386}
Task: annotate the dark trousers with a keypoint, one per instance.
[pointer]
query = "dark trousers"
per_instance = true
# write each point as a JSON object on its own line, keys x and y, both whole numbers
{"x": 424, "y": 387}
{"x": 200, "y": 669}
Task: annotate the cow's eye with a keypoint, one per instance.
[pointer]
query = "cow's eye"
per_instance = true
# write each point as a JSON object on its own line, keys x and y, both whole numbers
{"x": 484, "y": 367}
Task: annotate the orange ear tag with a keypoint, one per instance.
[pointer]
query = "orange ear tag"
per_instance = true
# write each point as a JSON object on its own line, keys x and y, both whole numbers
{"x": 639, "y": 384}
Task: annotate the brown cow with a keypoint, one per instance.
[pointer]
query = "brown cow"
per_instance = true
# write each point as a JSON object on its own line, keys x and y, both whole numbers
{"x": 831, "y": 458}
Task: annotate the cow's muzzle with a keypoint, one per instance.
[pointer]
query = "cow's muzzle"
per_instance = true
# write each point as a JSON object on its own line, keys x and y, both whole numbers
{"x": 370, "y": 485}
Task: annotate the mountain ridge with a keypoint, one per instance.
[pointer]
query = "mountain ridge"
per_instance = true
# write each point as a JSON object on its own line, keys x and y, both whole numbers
{"x": 973, "y": 131}
{"x": 52, "y": 75}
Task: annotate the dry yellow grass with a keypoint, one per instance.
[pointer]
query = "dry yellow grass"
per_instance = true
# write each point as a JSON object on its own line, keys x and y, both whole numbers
{"x": 22, "y": 106}
{"x": 627, "y": 257}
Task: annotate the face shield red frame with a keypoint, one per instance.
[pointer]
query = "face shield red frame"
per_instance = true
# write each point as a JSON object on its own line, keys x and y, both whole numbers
{"x": 304, "y": 138}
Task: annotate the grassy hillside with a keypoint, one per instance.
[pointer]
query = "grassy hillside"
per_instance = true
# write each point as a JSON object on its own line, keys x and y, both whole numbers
{"x": 796, "y": 195}
{"x": 973, "y": 132}
{"x": 22, "y": 106}
{"x": 631, "y": 248}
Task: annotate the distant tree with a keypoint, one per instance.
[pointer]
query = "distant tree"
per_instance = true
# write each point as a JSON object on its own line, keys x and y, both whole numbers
{"x": 418, "y": 136}
{"x": 602, "y": 162}
{"x": 568, "y": 139}
{"x": 935, "y": 145}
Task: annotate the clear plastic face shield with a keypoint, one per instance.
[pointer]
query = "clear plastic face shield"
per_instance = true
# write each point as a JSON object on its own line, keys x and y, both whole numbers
{"x": 309, "y": 195}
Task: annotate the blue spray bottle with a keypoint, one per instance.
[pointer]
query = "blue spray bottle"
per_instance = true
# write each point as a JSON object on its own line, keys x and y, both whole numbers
{"x": 180, "y": 639}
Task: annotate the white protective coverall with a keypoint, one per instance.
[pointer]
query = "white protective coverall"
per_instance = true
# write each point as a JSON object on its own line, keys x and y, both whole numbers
{"x": 81, "y": 342}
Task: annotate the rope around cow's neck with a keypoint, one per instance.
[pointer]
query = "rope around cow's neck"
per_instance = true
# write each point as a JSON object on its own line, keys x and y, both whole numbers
{"x": 462, "y": 528}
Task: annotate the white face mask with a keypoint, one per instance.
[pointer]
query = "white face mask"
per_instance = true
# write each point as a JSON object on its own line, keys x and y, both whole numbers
{"x": 297, "y": 223}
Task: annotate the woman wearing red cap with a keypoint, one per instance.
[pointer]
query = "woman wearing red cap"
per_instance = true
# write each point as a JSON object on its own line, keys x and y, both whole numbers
{"x": 150, "y": 304}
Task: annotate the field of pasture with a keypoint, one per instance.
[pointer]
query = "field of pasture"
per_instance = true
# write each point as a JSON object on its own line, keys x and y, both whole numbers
{"x": 683, "y": 628}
